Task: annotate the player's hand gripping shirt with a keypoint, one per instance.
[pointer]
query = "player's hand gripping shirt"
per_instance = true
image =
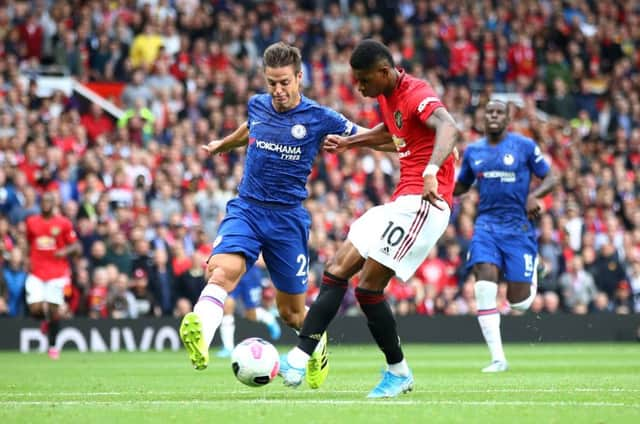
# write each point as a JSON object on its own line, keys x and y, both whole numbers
{"x": 283, "y": 147}
{"x": 404, "y": 113}
{"x": 503, "y": 174}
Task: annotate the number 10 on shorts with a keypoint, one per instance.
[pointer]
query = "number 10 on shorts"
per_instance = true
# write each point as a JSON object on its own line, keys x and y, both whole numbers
{"x": 393, "y": 233}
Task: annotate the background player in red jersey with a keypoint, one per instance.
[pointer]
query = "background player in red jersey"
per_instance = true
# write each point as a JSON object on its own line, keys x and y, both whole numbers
{"x": 394, "y": 238}
{"x": 51, "y": 240}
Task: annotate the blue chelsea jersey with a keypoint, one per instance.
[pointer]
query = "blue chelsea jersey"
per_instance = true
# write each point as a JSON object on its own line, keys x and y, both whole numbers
{"x": 503, "y": 174}
{"x": 283, "y": 146}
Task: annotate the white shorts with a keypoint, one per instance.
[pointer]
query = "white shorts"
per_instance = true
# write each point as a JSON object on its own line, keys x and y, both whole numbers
{"x": 400, "y": 234}
{"x": 50, "y": 291}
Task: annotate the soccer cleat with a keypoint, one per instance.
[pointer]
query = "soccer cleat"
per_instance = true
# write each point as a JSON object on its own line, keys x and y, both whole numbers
{"x": 53, "y": 353}
{"x": 318, "y": 365}
{"x": 191, "y": 335}
{"x": 496, "y": 366}
{"x": 223, "y": 353}
{"x": 292, "y": 376}
{"x": 392, "y": 385}
{"x": 274, "y": 330}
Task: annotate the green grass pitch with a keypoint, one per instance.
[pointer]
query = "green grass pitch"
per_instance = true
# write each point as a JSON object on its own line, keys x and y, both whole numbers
{"x": 547, "y": 383}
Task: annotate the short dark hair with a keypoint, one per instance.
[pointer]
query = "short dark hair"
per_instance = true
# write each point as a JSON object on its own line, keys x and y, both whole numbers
{"x": 368, "y": 53}
{"x": 280, "y": 54}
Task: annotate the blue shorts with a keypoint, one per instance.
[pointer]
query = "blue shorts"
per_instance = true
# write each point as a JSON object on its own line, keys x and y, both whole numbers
{"x": 249, "y": 288}
{"x": 280, "y": 233}
{"x": 514, "y": 254}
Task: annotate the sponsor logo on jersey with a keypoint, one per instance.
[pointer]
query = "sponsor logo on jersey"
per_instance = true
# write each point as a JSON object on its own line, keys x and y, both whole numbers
{"x": 298, "y": 131}
{"x": 45, "y": 243}
{"x": 398, "y": 141}
{"x": 504, "y": 176}
{"x": 508, "y": 159}
{"x": 397, "y": 116}
{"x": 280, "y": 148}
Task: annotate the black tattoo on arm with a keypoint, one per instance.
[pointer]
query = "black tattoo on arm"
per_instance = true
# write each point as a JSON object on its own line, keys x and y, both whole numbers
{"x": 447, "y": 135}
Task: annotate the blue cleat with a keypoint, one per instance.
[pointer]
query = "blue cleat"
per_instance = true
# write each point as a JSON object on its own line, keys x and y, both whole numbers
{"x": 392, "y": 385}
{"x": 274, "y": 330}
{"x": 292, "y": 376}
{"x": 223, "y": 353}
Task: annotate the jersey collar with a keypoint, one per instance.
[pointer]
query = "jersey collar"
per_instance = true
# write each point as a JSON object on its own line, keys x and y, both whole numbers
{"x": 401, "y": 75}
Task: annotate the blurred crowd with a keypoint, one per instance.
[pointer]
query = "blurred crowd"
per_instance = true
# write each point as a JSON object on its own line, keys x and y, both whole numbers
{"x": 146, "y": 200}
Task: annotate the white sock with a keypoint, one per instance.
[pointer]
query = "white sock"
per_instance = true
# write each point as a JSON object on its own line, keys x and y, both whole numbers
{"x": 264, "y": 316}
{"x": 298, "y": 358}
{"x": 489, "y": 318}
{"x": 401, "y": 368}
{"x": 209, "y": 310}
{"x": 228, "y": 331}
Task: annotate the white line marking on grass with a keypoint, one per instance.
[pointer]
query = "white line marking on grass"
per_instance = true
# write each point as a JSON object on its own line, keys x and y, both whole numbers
{"x": 249, "y": 391}
{"x": 462, "y": 403}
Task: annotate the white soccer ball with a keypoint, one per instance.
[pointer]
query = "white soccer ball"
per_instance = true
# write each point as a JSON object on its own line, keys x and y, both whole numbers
{"x": 255, "y": 362}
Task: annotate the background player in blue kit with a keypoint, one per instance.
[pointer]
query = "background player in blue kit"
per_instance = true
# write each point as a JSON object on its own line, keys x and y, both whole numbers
{"x": 249, "y": 292}
{"x": 503, "y": 244}
{"x": 284, "y": 133}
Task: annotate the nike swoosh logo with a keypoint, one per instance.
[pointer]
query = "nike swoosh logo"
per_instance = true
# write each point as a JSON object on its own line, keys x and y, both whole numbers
{"x": 304, "y": 281}
{"x": 478, "y": 162}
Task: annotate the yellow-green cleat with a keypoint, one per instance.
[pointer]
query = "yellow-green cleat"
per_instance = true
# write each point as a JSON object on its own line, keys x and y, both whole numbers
{"x": 191, "y": 335}
{"x": 318, "y": 365}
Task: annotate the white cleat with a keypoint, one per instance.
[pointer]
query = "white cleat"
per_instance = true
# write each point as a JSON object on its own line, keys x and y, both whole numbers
{"x": 496, "y": 366}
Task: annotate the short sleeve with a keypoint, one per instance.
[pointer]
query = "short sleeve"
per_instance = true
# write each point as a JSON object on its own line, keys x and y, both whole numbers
{"x": 70, "y": 235}
{"x": 337, "y": 123}
{"x": 536, "y": 162}
{"x": 250, "y": 110}
{"x": 423, "y": 102}
{"x": 466, "y": 175}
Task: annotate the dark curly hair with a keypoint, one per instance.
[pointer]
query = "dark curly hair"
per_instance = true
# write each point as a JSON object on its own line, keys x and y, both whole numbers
{"x": 368, "y": 53}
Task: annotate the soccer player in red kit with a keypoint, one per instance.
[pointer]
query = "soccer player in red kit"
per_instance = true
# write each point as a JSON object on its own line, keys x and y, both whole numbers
{"x": 394, "y": 238}
{"x": 51, "y": 240}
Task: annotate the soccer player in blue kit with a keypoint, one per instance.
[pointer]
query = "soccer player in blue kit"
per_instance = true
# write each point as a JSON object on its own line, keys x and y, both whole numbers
{"x": 284, "y": 133}
{"x": 249, "y": 291}
{"x": 504, "y": 245}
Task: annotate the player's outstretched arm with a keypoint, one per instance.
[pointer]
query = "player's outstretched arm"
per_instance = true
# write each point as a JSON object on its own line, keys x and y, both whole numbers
{"x": 239, "y": 137}
{"x": 377, "y": 138}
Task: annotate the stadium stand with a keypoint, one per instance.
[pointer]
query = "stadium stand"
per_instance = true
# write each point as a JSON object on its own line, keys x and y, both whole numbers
{"x": 107, "y": 102}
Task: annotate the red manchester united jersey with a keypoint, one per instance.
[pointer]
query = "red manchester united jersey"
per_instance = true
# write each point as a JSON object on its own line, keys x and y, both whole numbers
{"x": 404, "y": 113}
{"x": 46, "y": 236}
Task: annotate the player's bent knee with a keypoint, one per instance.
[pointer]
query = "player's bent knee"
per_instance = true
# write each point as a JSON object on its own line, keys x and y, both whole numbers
{"x": 525, "y": 304}
{"x": 220, "y": 277}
